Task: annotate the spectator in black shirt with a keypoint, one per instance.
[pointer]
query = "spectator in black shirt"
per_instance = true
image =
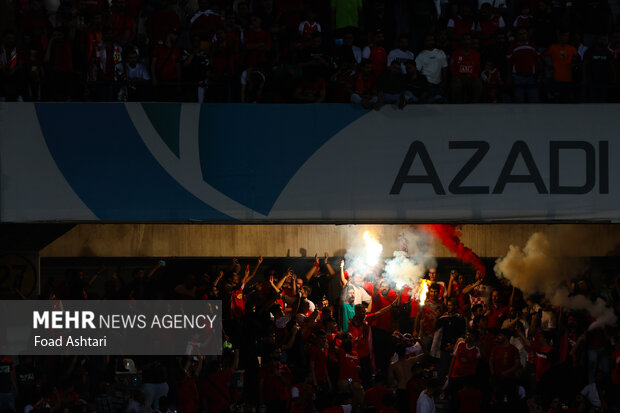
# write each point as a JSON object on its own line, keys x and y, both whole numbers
{"x": 597, "y": 71}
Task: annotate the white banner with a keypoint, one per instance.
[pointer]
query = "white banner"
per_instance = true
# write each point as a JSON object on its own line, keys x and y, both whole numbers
{"x": 311, "y": 163}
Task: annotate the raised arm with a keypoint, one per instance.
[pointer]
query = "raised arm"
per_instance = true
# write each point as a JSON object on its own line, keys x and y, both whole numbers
{"x": 246, "y": 275}
{"x": 258, "y": 263}
{"x": 330, "y": 269}
{"x": 343, "y": 280}
{"x": 470, "y": 287}
{"x": 219, "y": 277}
{"x": 313, "y": 269}
{"x": 385, "y": 309}
{"x": 152, "y": 270}
{"x": 449, "y": 290}
{"x": 280, "y": 283}
{"x": 95, "y": 275}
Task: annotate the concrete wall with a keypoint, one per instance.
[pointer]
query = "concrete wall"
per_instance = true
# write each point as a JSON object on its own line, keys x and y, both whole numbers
{"x": 181, "y": 240}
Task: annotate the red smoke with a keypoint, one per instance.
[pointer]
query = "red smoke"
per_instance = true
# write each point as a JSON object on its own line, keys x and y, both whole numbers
{"x": 451, "y": 239}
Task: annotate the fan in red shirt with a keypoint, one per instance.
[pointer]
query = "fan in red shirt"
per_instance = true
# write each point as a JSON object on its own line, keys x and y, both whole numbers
{"x": 374, "y": 396}
{"x": 359, "y": 328}
{"x": 275, "y": 380}
{"x": 489, "y": 24}
{"x": 319, "y": 353}
{"x": 465, "y": 70}
{"x": 504, "y": 362}
{"x": 161, "y": 21}
{"x": 123, "y": 24}
{"x": 226, "y": 51}
{"x": 59, "y": 56}
{"x": 349, "y": 379}
{"x": 497, "y": 311}
{"x": 238, "y": 298}
{"x": 365, "y": 86}
{"x": 214, "y": 388}
{"x": 461, "y": 24}
{"x": 455, "y": 290}
{"x": 376, "y": 53}
{"x": 382, "y": 326}
{"x": 257, "y": 42}
{"x": 187, "y": 388}
{"x": 464, "y": 363}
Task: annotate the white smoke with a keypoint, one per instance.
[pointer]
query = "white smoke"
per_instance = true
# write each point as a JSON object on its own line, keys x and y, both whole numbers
{"x": 413, "y": 260}
{"x": 542, "y": 267}
{"x": 408, "y": 265}
{"x": 363, "y": 255}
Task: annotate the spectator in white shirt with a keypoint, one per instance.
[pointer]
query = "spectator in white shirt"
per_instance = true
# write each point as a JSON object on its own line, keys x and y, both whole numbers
{"x": 432, "y": 62}
{"x": 402, "y": 54}
{"x": 426, "y": 402}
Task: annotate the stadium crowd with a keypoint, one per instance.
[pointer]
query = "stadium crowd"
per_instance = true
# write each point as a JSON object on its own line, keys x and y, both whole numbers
{"x": 336, "y": 340}
{"x": 366, "y": 52}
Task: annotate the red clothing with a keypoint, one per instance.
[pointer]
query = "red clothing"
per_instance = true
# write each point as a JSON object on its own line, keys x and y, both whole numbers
{"x": 465, "y": 360}
{"x": 255, "y": 37}
{"x": 378, "y": 59}
{"x": 523, "y": 58}
{"x": 160, "y": 22}
{"x": 306, "y": 29}
{"x": 496, "y": 317}
{"x": 123, "y": 25}
{"x": 524, "y": 21}
{"x": 188, "y": 395}
{"x": 237, "y": 303}
{"x": 304, "y": 393}
{"x": 431, "y": 312}
{"x": 61, "y": 60}
{"x": 383, "y": 322}
{"x": 273, "y": 387}
{"x": 414, "y": 388}
{"x": 226, "y": 55}
{"x": 561, "y": 58}
{"x": 166, "y": 63}
{"x": 364, "y": 85}
{"x": 318, "y": 356}
{"x": 214, "y": 390}
{"x": 503, "y": 358}
{"x": 361, "y": 338}
{"x": 460, "y": 26}
{"x": 465, "y": 64}
{"x": 470, "y": 400}
{"x": 542, "y": 362}
{"x": 489, "y": 26}
{"x": 374, "y": 396}
{"x": 347, "y": 365}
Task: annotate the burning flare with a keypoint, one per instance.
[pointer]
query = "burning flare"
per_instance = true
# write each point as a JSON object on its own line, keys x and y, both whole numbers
{"x": 423, "y": 291}
{"x": 372, "y": 250}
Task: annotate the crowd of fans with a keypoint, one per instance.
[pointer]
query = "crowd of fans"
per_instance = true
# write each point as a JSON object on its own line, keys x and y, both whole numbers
{"x": 367, "y": 52}
{"x": 335, "y": 340}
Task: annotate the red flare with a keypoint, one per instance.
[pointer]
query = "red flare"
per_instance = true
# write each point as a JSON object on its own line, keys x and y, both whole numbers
{"x": 451, "y": 239}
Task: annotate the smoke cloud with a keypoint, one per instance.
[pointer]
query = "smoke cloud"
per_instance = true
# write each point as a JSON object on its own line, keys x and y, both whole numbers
{"x": 543, "y": 267}
{"x": 413, "y": 260}
{"x": 408, "y": 264}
